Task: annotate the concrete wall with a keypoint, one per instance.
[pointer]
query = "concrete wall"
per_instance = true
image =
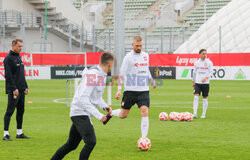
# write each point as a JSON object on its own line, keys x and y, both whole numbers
{"x": 68, "y": 10}
{"x": 32, "y": 42}
{"x": 1, "y": 4}
{"x": 32, "y": 35}
{"x": 19, "y": 5}
{"x": 62, "y": 6}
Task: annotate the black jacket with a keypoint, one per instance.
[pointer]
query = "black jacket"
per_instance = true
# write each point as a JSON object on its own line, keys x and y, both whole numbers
{"x": 14, "y": 73}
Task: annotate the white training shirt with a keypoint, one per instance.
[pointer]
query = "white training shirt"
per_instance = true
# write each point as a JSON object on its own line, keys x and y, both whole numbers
{"x": 134, "y": 72}
{"x": 202, "y": 69}
{"x": 88, "y": 96}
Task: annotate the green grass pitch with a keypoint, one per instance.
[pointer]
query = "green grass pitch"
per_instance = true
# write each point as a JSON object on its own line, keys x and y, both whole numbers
{"x": 224, "y": 134}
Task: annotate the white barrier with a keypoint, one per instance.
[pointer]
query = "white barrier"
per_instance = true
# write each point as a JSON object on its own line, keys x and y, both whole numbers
{"x": 37, "y": 73}
{"x": 219, "y": 73}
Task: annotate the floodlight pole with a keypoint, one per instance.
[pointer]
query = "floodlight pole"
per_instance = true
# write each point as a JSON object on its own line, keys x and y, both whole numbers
{"x": 82, "y": 30}
{"x": 3, "y": 36}
{"x": 119, "y": 27}
{"x": 45, "y": 30}
{"x": 162, "y": 37}
{"x": 219, "y": 39}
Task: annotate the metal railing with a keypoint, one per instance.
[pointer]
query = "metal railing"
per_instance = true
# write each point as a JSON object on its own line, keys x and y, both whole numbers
{"x": 157, "y": 38}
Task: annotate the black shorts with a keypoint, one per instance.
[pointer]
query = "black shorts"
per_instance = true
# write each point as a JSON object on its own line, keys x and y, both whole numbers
{"x": 204, "y": 88}
{"x": 131, "y": 97}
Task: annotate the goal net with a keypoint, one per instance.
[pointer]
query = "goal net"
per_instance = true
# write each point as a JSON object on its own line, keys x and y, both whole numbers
{"x": 72, "y": 84}
{"x": 65, "y": 65}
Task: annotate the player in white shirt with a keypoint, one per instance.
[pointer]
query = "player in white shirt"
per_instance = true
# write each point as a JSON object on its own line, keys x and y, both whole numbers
{"x": 87, "y": 98}
{"x": 136, "y": 75}
{"x": 203, "y": 69}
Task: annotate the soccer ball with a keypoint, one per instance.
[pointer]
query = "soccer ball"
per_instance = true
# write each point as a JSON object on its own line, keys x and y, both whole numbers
{"x": 190, "y": 117}
{"x": 144, "y": 144}
{"x": 173, "y": 116}
{"x": 185, "y": 116}
{"x": 163, "y": 116}
{"x": 180, "y": 116}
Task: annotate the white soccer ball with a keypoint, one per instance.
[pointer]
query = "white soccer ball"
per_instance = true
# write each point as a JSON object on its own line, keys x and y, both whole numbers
{"x": 184, "y": 116}
{"x": 144, "y": 144}
{"x": 173, "y": 116}
{"x": 163, "y": 116}
{"x": 180, "y": 117}
{"x": 190, "y": 117}
{"x": 187, "y": 116}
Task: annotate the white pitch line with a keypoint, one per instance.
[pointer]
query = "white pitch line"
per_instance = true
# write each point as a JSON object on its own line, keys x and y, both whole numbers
{"x": 163, "y": 103}
{"x": 35, "y": 107}
{"x": 243, "y": 108}
{"x": 58, "y": 100}
{"x": 31, "y": 108}
{"x": 155, "y": 103}
{"x": 167, "y": 103}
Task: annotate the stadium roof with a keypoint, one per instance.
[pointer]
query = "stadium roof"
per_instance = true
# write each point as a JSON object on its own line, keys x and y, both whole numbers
{"x": 235, "y": 31}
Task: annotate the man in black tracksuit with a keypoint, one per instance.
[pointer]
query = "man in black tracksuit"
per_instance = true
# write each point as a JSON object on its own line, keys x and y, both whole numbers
{"x": 16, "y": 88}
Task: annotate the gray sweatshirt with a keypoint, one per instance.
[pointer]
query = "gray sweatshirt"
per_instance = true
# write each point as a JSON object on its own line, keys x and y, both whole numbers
{"x": 88, "y": 95}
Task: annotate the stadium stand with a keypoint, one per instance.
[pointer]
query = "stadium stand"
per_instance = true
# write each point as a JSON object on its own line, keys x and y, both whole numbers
{"x": 142, "y": 16}
{"x": 158, "y": 19}
{"x": 196, "y": 16}
{"x": 227, "y": 31}
{"x": 62, "y": 25}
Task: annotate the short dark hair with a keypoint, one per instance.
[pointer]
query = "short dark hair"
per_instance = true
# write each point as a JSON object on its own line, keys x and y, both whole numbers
{"x": 137, "y": 38}
{"x": 106, "y": 57}
{"x": 15, "y": 41}
{"x": 202, "y": 51}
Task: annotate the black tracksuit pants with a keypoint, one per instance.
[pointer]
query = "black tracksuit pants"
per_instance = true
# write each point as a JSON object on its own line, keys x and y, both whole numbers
{"x": 81, "y": 129}
{"x": 17, "y": 103}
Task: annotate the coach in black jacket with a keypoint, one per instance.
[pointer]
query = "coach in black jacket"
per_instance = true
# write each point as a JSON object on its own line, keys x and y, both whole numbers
{"x": 16, "y": 88}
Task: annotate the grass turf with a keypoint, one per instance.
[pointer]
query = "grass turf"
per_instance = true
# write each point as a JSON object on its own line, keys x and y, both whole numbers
{"x": 224, "y": 134}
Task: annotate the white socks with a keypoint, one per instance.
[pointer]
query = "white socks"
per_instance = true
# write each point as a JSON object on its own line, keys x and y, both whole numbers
{"x": 195, "y": 104}
{"x": 144, "y": 122}
{"x": 205, "y": 104}
{"x": 144, "y": 126}
{"x": 116, "y": 112}
{"x": 6, "y": 133}
{"x": 19, "y": 131}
